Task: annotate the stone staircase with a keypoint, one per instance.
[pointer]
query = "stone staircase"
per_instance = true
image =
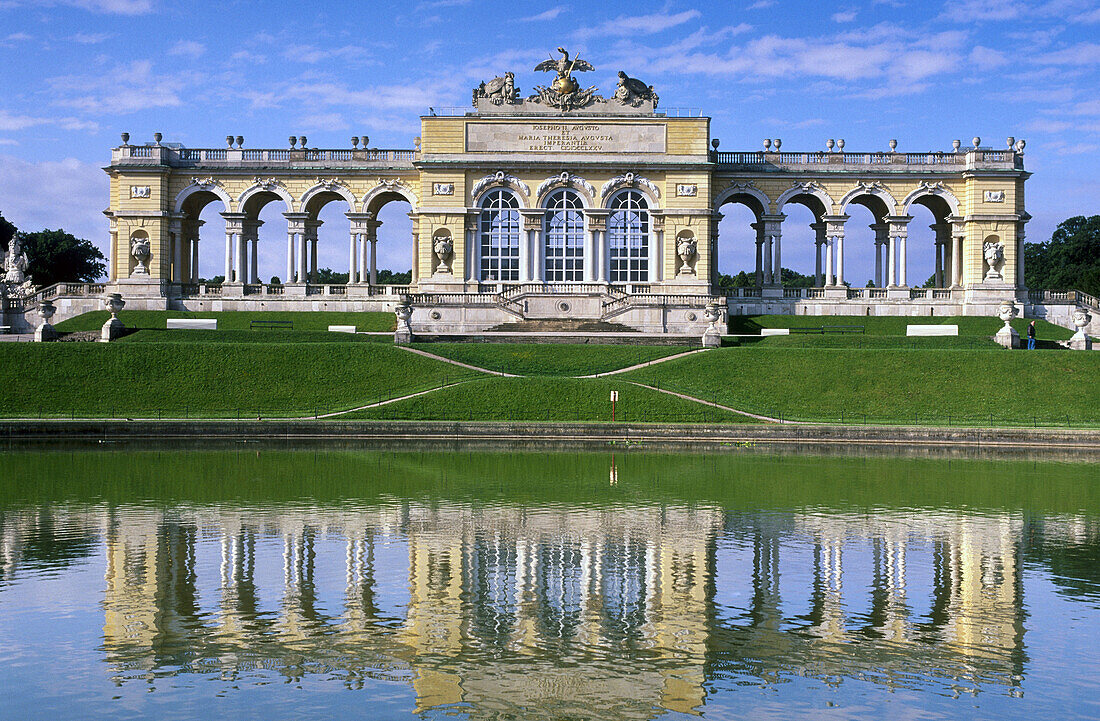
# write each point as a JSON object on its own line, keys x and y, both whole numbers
{"x": 561, "y": 325}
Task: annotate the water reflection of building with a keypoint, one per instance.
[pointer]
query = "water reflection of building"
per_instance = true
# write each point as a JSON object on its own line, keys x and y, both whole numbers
{"x": 591, "y": 606}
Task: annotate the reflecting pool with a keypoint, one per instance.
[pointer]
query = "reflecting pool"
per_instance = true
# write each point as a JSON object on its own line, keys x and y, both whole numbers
{"x": 270, "y": 582}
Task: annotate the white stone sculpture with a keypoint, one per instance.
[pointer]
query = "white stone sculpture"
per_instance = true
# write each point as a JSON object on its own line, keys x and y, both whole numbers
{"x": 45, "y": 332}
{"x": 994, "y": 257}
{"x": 687, "y": 249}
{"x": 403, "y": 311}
{"x": 444, "y": 251}
{"x": 141, "y": 250}
{"x": 1080, "y": 339}
{"x": 112, "y": 328}
{"x": 1007, "y": 336}
{"x": 712, "y": 336}
{"x": 16, "y": 283}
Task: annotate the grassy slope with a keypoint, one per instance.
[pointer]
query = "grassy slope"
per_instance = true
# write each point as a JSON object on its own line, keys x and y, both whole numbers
{"x": 213, "y": 379}
{"x": 890, "y": 385}
{"x": 153, "y": 335}
{"x": 553, "y": 399}
{"x": 893, "y": 325}
{"x": 549, "y": 359}
{"x": 235, "y": 320}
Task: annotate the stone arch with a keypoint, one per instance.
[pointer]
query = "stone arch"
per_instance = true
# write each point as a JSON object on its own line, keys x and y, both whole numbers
{"x": 883, "y": 202}
{"x": 812, "y": 189}
{"x": 500, "y": 179}
{"x": 311, "y": 200}
{"x": 385, "y": 192}
{"x": 748, "y": 195}
{"x": 195, "y": 188}
{"x": 259, "y": 189}
{"x": 631, "y": 181}
{"x": 583, "y": 188}
{"x": 932, "y": 190}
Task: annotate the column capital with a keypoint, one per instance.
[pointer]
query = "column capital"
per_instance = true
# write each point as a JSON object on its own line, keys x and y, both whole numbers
{"x": 834, "y": 225}
{"x": 532, "y": 218}
{"x": 234, "y": 222}
{"x": 901, "y": 220}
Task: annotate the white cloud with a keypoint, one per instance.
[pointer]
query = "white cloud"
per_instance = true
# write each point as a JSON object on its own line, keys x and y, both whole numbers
{"x": 545, "y": 15}
{"x": 323, "y": 121}
{"x": 312, "y": 55}
{"x": 17, "y": 37}
{"x": 9, "y": 122}
{"x": 53, "y": 194}
{"x": 89, "y": 38}
{"x": 845, "y": 16}
{"x": 247, "y": 56}
{"x": 187, "y": 48}
{"x": 632, "y": 25}
{"x": 1079, "y": 54}
{"x": 984, "y": 58}
{"x": 109, "y": 7}
{"x": 1088, "y": 18}
{"x": 128, "y": 88}
{"x": 761, "y": 5}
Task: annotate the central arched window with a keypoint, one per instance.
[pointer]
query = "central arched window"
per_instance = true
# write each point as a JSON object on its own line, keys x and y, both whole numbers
{"x": 500, "y": 233}
{"x": 628, "y": 238}
{"x": 564, "y": 237}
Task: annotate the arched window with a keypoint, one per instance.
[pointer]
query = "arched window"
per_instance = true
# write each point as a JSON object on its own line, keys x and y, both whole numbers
{"x": 628, "y": 238}
{"x": 500, "y": 232}
{"x": 564, "y": 237}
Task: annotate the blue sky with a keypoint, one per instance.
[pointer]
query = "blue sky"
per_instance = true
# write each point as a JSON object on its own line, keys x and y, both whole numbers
{"x": 76, "y": 73}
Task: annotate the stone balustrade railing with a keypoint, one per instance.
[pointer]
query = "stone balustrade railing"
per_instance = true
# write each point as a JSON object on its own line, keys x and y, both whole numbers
{"x": 190, "y": 290}
{"x": 980, "y": 158}
{"x": 1064, "y": 297}
{"x": 235, "y": 157}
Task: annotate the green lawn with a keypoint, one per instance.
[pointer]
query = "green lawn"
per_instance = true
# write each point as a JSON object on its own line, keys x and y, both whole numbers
{"x": 154, "y": 335}
{"x": 235, "y": 320}
{"x": 93, "y": 379}
{"x": 895, "y": 386}
{"x": 893, "y": 325}
{"x": 550, "y": 359}
{"x": 550, "y": 399}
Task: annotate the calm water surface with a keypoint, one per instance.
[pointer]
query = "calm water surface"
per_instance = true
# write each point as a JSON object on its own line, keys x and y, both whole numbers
{"x": 268, "y": 583}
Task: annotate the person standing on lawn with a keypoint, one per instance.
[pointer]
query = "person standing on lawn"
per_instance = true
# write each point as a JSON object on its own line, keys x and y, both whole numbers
{"x": 1031, "y": 336}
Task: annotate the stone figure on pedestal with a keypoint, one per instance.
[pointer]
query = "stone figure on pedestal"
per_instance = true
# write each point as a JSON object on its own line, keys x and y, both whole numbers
{"x": 500, "y": 90}
{"x": 633, "y": 92}
{"x": 112, "y": 328}
{"x": 45, "y": 332}
{"x": 140, "y": 249}
{"x": 403, "y": 311}
{"x": 1007, "y": 336}
{"x": 994, "y": 257}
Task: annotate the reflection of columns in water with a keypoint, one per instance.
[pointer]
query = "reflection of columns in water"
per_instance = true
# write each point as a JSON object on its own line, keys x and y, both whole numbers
{"x": 764, "y": 610}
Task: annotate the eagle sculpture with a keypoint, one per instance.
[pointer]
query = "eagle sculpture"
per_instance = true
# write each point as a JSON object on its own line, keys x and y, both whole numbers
{"x": 564, "y": 67}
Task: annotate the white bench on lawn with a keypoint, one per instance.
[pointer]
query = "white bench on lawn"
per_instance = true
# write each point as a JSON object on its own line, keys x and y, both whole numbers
{"x": 775, "y": 331}
{"x": 192, "y": 323}
{"x": 341, "y": 328}
{"x": 942, "y": 329}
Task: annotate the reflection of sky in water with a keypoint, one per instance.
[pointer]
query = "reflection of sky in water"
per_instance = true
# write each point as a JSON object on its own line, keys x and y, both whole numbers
{"x": 622, "y": 609}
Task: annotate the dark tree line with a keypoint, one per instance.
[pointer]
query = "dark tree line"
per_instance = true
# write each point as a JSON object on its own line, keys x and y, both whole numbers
{"x": 56, "y": 256}
{"x": 1070, "y": 260}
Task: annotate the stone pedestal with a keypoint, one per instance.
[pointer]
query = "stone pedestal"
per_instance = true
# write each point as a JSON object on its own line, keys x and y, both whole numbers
{"x": 836, "y": 291}
{"x": 1079, "y": 341}
{"x": 897, "y": 293}
{"x": 297, "y": 290}
{"x": 1007, "y": 337}
{"x": 142, "y": 287}
{"x": 113, "y": 328}
{"x": 771, "y": 291}
{"x": 712, "y": 336}
{"x": 45, "y": 332}
{"x": 403, "y": 335}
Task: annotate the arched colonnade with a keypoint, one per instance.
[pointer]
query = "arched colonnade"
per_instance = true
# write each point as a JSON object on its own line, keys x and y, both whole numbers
{"x": 242, "y": 224}
{"x": 890, "y": 226}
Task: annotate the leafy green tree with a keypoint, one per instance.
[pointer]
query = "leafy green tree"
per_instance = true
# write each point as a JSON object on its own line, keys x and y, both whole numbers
{"x": 1070, "y": 260}
{"x": 327, "y": 276}
{"x": 388, "y": 277}
{"x": 793, "y": 279}
{"x": 56, "y": 256}
{"x": 7, "y": 230}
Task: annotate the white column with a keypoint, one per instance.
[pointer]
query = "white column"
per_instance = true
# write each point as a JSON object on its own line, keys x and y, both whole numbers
{"x": 591, "y": 258}
{"x": 901, "y": 263}
{"x": 602, "y": 255}
{"x": 373, "y": 260}
{"x": 777, "y": 274}
{"x": 313, "y": 257}
{"x": 364, "y": 269}
{"x": 840, "y": 259}
{"x": 242, "y": 258}
{"x": 878, "y": 263}
{"x": 767, "y": 260}
{"x": 759, "y": 262}
{"x": 195, "y": 260}
{"x": 819, "y": 240}
{"x": 958, "y": 266}
{"x": 228, "y": 256}
{"x": 255, "y": 260}
{"x": 177, "y": 257}
{"x": 302, "y": 251}
{"x": 828, "y": 262}
{"x": 353, "y": 240}
{"x": 891, "y": 263}
{"x": 939, "y": 263}
{"x": 1020, "y": 257}
{"x": 290, "y": 238}
{"x": 657, "y": 242}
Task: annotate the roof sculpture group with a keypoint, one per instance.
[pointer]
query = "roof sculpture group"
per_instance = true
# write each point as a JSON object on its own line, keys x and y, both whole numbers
{"x": 564, "y": 93}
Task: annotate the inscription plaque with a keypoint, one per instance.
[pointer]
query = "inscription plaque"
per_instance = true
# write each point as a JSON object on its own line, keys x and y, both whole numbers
{"x": 565, "y": 137}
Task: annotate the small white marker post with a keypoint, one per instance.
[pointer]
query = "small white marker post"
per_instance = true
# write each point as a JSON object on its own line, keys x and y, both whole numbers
{"x": 614, "y": 398}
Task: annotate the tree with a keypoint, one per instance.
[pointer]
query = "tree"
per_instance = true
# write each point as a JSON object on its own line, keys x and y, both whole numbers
{"x": 7, "y": 230}
{"x": 327, "y": 276}
{"x": 389, "y": 277}
{"x": 1070, "y": 260}
{"x": 56, "y": 256}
